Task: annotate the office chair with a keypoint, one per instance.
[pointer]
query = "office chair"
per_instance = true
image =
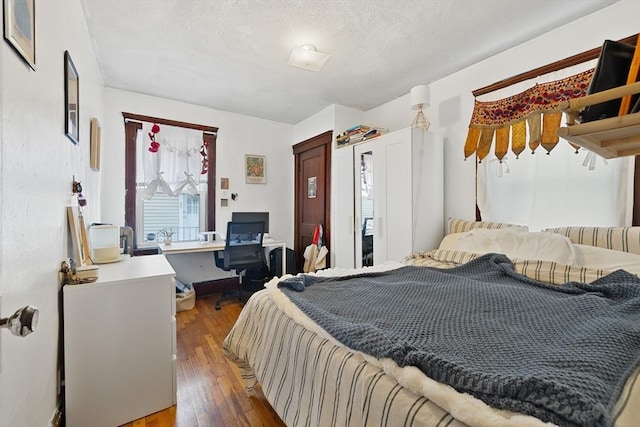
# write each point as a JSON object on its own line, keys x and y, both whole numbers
{"x": 242, "y": 250}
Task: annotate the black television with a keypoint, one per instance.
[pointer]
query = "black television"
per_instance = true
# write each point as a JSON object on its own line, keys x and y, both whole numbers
{"x": 611, "y": 71}
{"x": 252, "y": 217}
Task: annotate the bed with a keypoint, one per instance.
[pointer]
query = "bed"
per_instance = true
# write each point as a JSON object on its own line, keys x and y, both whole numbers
{"x": 313, "y": 377}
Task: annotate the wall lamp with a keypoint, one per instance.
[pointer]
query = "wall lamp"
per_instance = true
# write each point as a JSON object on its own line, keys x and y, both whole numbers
{"x": 420, "y": 98}
{"x": 22, "y": 322}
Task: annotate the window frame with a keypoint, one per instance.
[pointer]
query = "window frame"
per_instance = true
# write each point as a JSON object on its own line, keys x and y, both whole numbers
{"x": 140, "y": 235}
{"x": 555, "y": 66}
{"x": 132, "y": 124}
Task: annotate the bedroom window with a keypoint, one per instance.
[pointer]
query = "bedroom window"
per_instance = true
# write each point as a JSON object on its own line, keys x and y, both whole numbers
{"x": 170, "y": 169}
{"x": 169, "y": 183}
{"x": 570, "y": 186}
{"x": 556, "y": 190}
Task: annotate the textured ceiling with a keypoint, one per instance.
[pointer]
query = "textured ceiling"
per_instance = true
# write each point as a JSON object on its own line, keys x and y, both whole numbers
{"x": 231, "y": 55}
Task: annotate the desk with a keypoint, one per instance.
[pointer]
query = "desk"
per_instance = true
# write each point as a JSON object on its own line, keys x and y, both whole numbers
{"x": 218, "y": 245}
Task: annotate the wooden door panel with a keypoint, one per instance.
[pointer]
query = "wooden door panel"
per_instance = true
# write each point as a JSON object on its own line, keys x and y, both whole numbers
{"x": 312, "y": 164}
{"x": 312, "y": 207}
{"x": 313, "y": 161}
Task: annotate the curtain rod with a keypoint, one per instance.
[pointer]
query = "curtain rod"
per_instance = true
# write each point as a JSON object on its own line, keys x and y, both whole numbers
{"x": 149, "y": 119}
{"x": 549, "y": 68}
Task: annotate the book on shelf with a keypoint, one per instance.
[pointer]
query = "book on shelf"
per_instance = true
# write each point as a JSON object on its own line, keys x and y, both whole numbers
{"x": 357, "y": 128}
{"x": 359, "y": 133}
{"x": 342, "y": 139}
{"x": 372, "y": 134}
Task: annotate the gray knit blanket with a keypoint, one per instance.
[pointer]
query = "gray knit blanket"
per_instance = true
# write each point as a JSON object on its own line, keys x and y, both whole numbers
{"x": 559, "y": 353}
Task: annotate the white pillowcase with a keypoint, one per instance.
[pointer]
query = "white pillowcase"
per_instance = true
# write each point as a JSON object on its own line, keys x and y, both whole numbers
{"x": 513, "y": 243}
{"x": 540, "y": 246}
{"x": 606, "y": 259}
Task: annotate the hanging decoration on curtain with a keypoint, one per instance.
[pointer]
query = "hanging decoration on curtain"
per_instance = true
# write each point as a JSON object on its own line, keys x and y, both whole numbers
{"x": 154, "y": 146}
{"x": 203, "y": 152}
{"x": 169, "y": 165}
{"x": 506, "y": 120}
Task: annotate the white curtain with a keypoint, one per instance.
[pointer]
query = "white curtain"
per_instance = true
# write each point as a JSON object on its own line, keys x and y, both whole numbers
{"x": 559, "y": 189}
{"x": 556, "y": 190}
{"x": 175, "y": 167}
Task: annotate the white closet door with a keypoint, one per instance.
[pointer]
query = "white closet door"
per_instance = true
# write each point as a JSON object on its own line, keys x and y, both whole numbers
{"x": 343, "y": 227}
{"x": 406, "y": 202}
{"x": 394, "y": 197}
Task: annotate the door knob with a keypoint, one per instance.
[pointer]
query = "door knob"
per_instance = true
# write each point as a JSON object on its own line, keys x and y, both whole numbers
{"x": 22, "y": 322}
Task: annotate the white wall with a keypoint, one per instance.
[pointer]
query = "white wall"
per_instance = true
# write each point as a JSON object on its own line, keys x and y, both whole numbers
{"x": 452, "y": 101}
{"x": 37, "y": 164}
{"x": 316, "y": 124}
{"x": 237, "y": 135}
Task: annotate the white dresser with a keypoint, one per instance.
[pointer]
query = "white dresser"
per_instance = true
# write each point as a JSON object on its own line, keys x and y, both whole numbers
{"x": 120, "y": 343}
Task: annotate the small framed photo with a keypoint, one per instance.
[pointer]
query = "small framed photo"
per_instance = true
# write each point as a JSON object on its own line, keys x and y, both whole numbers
{"x": 20, "y": 28}
{"x": 312, "y": 187}
{"x": 71, "y": 99}
{"x": 94, "y": 159}
{"x": 255, "y": 169}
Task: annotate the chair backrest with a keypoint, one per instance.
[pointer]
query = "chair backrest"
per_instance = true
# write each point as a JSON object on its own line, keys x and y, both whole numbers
{"x": 243, "y": 247}
{"x": 367, "y": 236}
{"x": 367, "y": 227}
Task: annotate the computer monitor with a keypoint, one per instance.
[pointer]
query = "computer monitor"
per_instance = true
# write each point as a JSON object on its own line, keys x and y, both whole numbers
{"x": 611, "y": 71}
{"x": 252, "y": 217}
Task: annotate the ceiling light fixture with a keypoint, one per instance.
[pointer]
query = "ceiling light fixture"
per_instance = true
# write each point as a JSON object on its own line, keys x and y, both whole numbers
{"x": 307, "y": 58}
{"x": 420, "y": 98}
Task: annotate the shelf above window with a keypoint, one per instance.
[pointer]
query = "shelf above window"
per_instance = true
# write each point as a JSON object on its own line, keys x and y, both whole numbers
{"x": 610, "y": 138}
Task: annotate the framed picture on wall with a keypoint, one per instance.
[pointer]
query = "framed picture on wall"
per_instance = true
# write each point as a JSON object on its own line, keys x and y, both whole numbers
{"x": 94, "y": 159}
{"x": 255, "y": 169}
{"x": 71, "y": 99}
{"x": 20, "y": 28}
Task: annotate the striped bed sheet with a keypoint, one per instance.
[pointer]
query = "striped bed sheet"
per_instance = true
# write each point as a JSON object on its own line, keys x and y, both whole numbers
{"x": 310, "y": 379}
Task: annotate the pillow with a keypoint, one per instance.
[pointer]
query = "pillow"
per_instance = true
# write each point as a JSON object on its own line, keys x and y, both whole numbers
{"x": 514, "y": 243}
{"x": 606, "y": 259}
{"x": 625, "y": 239}
{"x": 460, "y": 225}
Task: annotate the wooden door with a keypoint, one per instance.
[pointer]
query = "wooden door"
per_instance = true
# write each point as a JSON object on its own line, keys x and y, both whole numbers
{"x": 312, "y": 192}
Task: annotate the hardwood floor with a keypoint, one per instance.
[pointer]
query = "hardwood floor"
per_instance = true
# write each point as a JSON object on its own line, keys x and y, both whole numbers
{"x": 210, "y": 391}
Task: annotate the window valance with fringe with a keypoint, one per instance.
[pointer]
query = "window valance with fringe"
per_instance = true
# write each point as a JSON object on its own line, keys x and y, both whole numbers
{"x": 506, "y": 120}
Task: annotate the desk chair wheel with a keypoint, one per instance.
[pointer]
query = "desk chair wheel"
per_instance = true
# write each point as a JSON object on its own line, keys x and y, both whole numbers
{"x": 247, "y": 289}
{"x": 232, "y": 295}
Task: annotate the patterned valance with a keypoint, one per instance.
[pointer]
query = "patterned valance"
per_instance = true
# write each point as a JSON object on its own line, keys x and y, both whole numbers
{"x": 507, "y": 119}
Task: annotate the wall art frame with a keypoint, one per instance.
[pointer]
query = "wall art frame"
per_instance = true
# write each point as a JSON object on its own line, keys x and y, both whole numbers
{"x": 71, "y": 99}
{"x": 20, "y": 28}
{"x": 94, "y": 154}
{"x": 255, "y": 169}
